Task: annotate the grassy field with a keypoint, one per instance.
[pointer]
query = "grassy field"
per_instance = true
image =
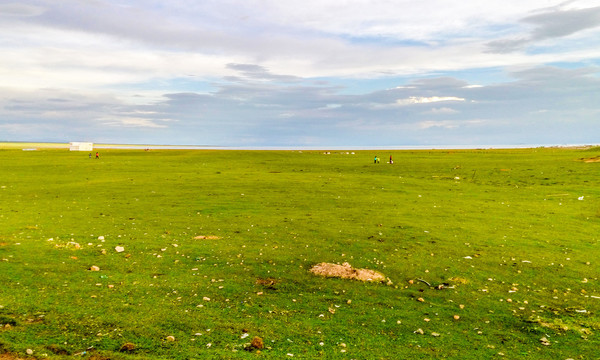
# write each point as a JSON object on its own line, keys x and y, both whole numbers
{"x": 512, "y": 237}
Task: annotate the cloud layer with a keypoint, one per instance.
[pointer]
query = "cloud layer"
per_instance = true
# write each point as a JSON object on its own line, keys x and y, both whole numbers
{"x": 271, "y": 73}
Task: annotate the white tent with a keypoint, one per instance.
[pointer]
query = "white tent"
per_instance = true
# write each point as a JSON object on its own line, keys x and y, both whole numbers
{"x": 81, "y": 146}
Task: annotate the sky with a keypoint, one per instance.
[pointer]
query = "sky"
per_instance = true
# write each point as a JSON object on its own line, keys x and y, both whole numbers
{"x": 310, "y": 73}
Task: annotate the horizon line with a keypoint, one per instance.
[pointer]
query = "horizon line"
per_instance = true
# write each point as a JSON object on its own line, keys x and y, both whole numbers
{"x": 58, "y": 145}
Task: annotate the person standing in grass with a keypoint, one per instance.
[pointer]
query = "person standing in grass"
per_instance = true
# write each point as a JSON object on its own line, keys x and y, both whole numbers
{"x": 97, "y": 155}
{"x": 391, "y": 161}
{"x": 376, "y": 160}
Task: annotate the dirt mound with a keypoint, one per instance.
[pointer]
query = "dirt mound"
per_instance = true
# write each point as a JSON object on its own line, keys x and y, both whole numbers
{"x": 346, "y": 271}
{"x": 591, "y": 160}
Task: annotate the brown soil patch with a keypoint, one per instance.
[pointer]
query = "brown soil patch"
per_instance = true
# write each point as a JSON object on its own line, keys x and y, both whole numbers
{"x": 268, "y": 282}
{"x": 346, "y": 271}
{"x": 9, "y": 357}
{"x": 591, "y": 160}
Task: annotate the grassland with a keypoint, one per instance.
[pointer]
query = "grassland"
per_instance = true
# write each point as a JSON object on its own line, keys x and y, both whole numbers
{"x": 511, "y": 235}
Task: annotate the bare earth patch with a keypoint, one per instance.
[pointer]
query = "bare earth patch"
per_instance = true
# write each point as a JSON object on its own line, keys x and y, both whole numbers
{"x": 9, "y": 357}
{"x": 591, "y": 160}
{"x": 206, "y": 237}
{"x": 346, "y": 271}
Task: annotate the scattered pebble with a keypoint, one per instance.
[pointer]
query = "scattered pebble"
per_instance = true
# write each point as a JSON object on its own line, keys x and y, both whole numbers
{"x": 257, "y": 343}
{"x": 170, "y": 338}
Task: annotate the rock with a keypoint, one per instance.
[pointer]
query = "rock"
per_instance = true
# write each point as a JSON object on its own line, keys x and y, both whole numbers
{"x": 29, "y": 352}
{"x": 119, "y": 249}
{"x": 421, "y": 299}
{"x": 346, "y": 271}
{"x": 100, "y": 237}
{"x": 170, "y": 338}
{"x": 257, "y": 343}
{"x": 127, "y": 347}
{"x": 94, "y": 268}
{"x": 456, "y": 317}
{"x": 544, "y": 341}
{"x": 419, "y": 331}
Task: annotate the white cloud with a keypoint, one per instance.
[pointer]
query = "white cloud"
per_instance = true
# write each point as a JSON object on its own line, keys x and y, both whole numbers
{"x": 20, "y": 10}
{"x": 448, "y": 124}
{"x": 135, "y": 122}
{"x": 441, "y": 111}
{"x": 426, "y": 100}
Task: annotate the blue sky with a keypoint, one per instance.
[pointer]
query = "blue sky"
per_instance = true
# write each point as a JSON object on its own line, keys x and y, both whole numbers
{"x": 311, "y": 73}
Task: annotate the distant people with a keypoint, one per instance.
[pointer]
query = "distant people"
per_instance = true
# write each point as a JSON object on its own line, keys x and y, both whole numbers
{"x": 97, "y": 155}
{"x": 391, "y": 161}
{"x": 375, "y": 160}
{"x": 90, "y": 155}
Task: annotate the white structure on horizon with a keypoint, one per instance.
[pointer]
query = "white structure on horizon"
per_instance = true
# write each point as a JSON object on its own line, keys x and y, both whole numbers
{"x": 81, "y": 146}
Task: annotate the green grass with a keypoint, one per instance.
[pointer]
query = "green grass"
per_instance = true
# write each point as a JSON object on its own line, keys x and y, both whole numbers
{"x": 504, "y": 229}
